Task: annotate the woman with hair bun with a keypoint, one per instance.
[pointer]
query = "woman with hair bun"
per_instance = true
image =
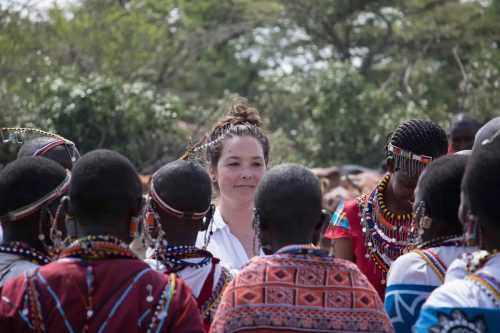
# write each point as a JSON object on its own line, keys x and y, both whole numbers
{"x": 237, "y": 153}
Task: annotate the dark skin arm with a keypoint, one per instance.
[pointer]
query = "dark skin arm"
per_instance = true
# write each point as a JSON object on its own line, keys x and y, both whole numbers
{"x": 342, "y": 248}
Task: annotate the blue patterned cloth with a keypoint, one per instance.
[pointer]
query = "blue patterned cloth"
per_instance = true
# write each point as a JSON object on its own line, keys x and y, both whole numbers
{"x": 449, "y": 320}
{"x": 339, "y": 218}
{"x": 403, "y": 303}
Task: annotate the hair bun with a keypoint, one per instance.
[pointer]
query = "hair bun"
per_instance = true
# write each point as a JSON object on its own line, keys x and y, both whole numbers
{"x": 240, "y": 112}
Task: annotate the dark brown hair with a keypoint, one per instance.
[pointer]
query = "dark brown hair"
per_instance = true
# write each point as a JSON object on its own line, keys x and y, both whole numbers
{"x": 241, "y": 120}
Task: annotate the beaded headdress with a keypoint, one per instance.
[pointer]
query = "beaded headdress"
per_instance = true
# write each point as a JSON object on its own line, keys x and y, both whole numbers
{"x": 31, "y": 208}
{"x": 407, "y": 161}
{"x": 14, "y": 134}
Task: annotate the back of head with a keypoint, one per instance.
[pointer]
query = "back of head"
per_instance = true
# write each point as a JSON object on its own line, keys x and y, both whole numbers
{"x": 104, "y": 187}
{"x": 439, "y": 188}
{"x": 487, "y": 131}
{"x": 30, "y": 147}
{"x": 184, "y": 185}
{"x": 463, "y": 119}
{"x": 288, "y": 200}
{"x": 60, "y": 150}
{"x": 481, "y": 183}
{"x": 26, "y": 180}
{"x": 241, "y": 120}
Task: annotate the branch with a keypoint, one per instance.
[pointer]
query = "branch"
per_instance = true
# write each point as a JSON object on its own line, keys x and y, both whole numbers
{"x": 367, "y": 62}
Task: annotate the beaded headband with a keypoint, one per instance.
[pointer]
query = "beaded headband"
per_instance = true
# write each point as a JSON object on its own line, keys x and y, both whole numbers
{"x": 35, "y": 206}
{"x": 172, "y": 211}
{"x": 221, "y": 136}
{"x": 45, "y": 148}
{"x": 408, "y": 161}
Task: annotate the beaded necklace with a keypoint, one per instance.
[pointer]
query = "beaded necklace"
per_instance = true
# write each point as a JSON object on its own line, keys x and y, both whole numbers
{"x": 489, "y": 284}
{"x": 386, "y": 234}
{"x": 209, "y": 307}
{"x": 96, "y": 247}
{"x": 174, "y": 257}
{"x": 452, "y": 240}
{"x": 24, "y": 250}
{"x": 304, "y": 249}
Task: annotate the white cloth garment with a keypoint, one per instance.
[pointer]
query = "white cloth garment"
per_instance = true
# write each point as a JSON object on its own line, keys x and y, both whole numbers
{"x": 195, "y": 277}
{"x": 458, "y": 268}
{"x": 411, "y": 268}
{"x": 12, "y": 265}
{"x": 224, "y": 245}
{"x": 462, "y": 293}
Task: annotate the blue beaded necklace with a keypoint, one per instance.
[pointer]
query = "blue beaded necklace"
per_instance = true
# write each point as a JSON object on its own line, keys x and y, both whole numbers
{"x": 174, "y": 257}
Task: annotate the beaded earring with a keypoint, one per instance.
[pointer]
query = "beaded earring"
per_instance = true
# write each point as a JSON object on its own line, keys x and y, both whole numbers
{"x": 256, "y": 231}
{"x": 44, "y": 213}
{"x": 152, "y": 226}
{"x": 135, "y": 223}
{"x": 472, "y": 236}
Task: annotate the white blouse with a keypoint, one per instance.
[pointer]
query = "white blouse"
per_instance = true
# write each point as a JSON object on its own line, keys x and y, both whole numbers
{"x": 224, "y": 245}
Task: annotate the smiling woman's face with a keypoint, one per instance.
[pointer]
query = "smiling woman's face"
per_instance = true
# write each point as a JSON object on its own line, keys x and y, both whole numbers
{"x": 240, "y": 168}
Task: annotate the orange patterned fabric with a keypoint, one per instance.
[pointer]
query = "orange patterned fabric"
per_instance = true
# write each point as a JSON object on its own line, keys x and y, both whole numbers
{"x": 300, "y": 293}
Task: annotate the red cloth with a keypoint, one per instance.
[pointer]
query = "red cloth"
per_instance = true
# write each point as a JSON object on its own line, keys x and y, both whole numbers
{"x": 120, "y": 299}
{"x": 354, "y": 232}
{"x": 300, "y": 293}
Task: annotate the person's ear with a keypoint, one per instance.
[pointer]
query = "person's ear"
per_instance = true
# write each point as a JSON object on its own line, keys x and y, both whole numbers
{"x": 212, "y": 171}
{"x": 138, "y": 206}
{"x": 324, "y": 218}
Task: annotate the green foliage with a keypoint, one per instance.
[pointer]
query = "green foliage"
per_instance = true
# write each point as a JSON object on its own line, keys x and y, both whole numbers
{"x": 331, "y": 78}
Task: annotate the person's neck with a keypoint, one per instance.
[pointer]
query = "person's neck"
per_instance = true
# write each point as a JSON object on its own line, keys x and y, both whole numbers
{"x": 277, "y": 241}
{"x": 237, "y": 216}
{"x": 490, "y": 241}
{"x": 84, "y": 230}
{"x": 175, "y": 237}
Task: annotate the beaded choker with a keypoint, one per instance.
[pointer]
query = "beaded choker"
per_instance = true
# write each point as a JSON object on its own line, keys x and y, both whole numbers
{"x": 174, "y": 257}
{"x": 37, "y": 205}
{"x": 172, "y": 211}
{"x": 386, "y": 234}
{"x": 24, "y": 250}
{"x": 304, "y": 249}
{"x": 97, "y": 247}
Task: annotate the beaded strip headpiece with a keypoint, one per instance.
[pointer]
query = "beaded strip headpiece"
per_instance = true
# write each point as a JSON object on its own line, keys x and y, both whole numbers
{"x": 35, "y": 206}
{"x": 407, "y": 161}
{"x": 14, "y": 134}
{"x": 171, "y": 210}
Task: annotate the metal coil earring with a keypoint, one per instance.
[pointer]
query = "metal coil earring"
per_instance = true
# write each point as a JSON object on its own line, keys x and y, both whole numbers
{"x": 207, "y": 226}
